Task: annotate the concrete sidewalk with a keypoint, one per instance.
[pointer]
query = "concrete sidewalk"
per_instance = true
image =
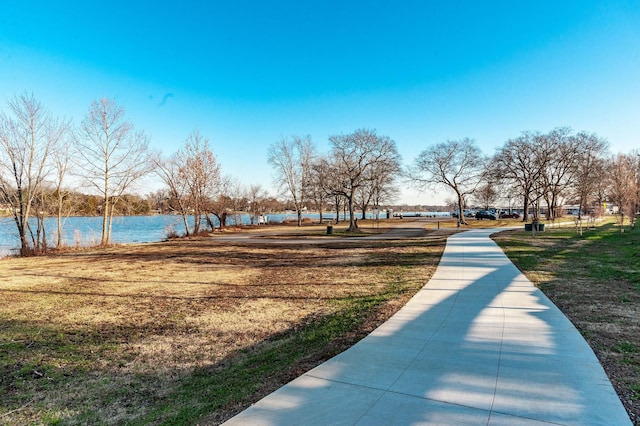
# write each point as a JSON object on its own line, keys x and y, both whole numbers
{"x": 478, "y": 345}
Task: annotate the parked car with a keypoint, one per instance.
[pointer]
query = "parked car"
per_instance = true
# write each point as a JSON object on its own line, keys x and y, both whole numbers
{"x": 465, "y": 212}
{"x": 485, "y": 214}
{"x": 509, "y": 216}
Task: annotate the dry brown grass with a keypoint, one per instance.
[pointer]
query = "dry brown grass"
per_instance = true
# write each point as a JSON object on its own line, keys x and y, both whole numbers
{"x": 126, "y": 334}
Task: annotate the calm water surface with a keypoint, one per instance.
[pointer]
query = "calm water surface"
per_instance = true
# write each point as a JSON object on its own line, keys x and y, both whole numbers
{"x": 85, "y": 231}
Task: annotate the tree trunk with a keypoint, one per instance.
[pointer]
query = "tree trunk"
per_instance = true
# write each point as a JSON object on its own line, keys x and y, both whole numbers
{"x": 21, "y": 216}
{"x": 59, "y": 224}
{"x": 461, "y": 220}
{"x": 525, "y": 205}
{"x": 196, "y": 221}
{"x": 110, "y": 222}
{"x": 212, "y": 226}
{"x": 24, "y": 243}
{"x": 549, "y": 208}
{"x": 580, "y": 206}
{"x": 105, "y": 220}
{"x": 185, "y": 220}
{"x": 41, "y": 234}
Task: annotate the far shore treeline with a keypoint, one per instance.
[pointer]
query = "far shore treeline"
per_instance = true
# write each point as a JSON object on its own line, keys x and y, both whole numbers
{"x": 51, "y": 167}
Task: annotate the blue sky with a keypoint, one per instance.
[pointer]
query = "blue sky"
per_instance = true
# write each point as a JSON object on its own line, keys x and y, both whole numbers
{"x": 246, "y": 73}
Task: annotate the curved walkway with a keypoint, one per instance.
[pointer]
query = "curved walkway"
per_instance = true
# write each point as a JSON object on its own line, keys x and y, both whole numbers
{"x": 478, "y": 345}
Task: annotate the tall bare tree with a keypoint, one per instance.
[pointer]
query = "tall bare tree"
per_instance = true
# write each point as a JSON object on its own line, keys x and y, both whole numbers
{"x": 291, "y": 160}
{"x": 487, "y": 194}
{"x": 28, "y": 135}
{"x": 169, "y": 170}
{"x": 111, "y": 156}
{"x": 590, "y": 168}
{"x": 622, "y": 189}
{"x": 225, "y": 200}
{"x": 380, "y": 184}
{"x": 558, "y": 154}
{"x": 355, "y": 158}
{"x": 319, "y": 190}
{"x": 458, "y": 165}
{"x": 255, "y": 196}
{"x": 332, "y": 181}
{"x": 62, "y": 195}
{"x": 201, "y": 171}
{"x": 516, "y": 162}
{"x": 192, "y": 176}
{"x": 634, "y": 159}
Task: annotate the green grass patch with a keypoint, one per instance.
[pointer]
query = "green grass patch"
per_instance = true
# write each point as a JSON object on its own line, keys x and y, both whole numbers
{"x": 594, "y": 278}
{"x": 626, "y": 348}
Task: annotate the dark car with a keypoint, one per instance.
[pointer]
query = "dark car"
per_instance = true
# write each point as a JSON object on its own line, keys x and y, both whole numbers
{"x": 509, "y": 216}
{"x": 485, "y": 214}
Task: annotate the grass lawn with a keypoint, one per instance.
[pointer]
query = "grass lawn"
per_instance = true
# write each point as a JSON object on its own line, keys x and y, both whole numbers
{"x": 595, "y": 280}
{"x": 188, "y": 331}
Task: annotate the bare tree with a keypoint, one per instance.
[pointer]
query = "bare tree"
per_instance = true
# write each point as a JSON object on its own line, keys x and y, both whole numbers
{"x": 486, "y": 195}
{"x": 354, "y": 158}
{"x": 601, "y": 188}
{"x": 634, "y": 159}
{"x": 510, "y": 196}
{"x": 235, "y": 191}
{"x": 458, "y": 165}
{"x": 291, "y": 160}
{"x": 192, "y": 176}
{"x": 225, "y": 201}
{"x": 255, "y": 196}
{"x": 590, "y": 168}
{"x": 28, "y": 135}
{"x": 330, "y": 174}
{"x": 622, "y": 186}
{"x": 111, "y": 156}
{"x": 159, "y": 200}
{"x": 379, "y": 184}
{"x": 319, "y": 189}
{"x": 516, "y": 163}
{"x": 62, "y": 195}
{"x": 170, "y": 171}
{"x": 558, "y": 154}
{"x": 200, "y": 171}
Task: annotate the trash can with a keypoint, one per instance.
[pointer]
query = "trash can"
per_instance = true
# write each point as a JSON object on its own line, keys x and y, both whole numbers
{"x": 529, "y": 227}
{"x": 329, "y": 229}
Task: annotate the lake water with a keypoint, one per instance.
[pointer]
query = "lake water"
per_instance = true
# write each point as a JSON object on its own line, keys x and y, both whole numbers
{"x": 86, "y": 231}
